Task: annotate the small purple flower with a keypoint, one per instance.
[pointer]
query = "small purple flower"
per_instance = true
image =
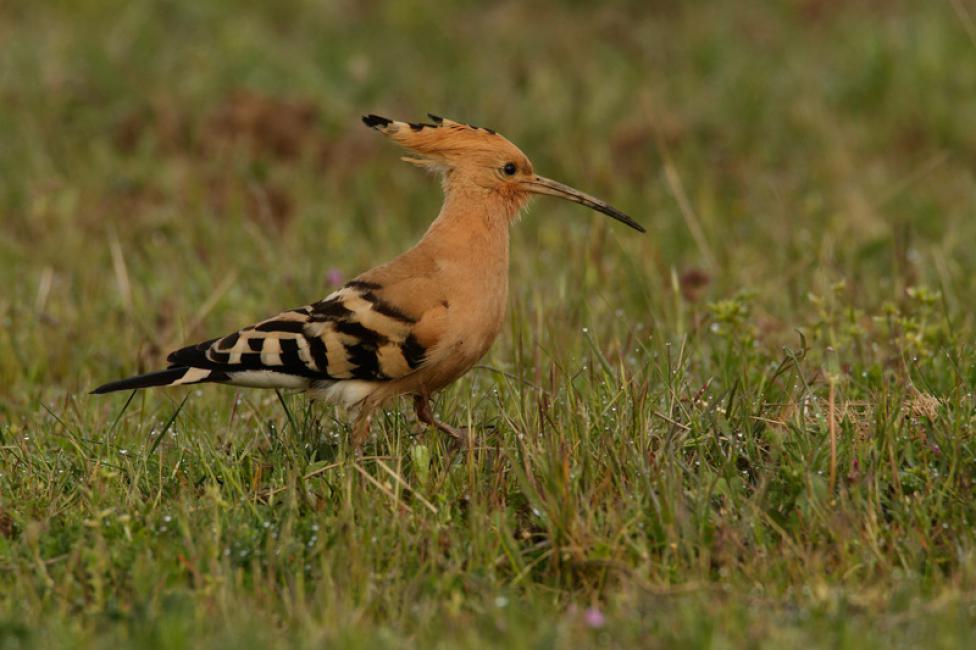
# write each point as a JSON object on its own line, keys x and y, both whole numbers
{"x": 594, "y": 618}
{"x": 334, "y": 277}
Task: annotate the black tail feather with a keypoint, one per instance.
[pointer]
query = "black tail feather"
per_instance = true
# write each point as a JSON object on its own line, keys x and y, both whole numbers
{"x": 158, "y": 378}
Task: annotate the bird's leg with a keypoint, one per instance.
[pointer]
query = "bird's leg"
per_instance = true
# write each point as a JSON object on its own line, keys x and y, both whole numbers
{"x": 360, "y": 430}
{"x": 421, "y": 404}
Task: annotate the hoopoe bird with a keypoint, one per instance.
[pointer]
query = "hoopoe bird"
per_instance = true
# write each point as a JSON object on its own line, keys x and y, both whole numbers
{"x": 408, "y": 327}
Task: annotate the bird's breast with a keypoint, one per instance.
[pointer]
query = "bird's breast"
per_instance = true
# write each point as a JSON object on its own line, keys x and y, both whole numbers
{"x": 475, "y": 314}
{"x": 478, "y": 318}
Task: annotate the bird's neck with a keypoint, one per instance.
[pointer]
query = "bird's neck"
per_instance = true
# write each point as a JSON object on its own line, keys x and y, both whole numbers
{"x": 472, "y": 225}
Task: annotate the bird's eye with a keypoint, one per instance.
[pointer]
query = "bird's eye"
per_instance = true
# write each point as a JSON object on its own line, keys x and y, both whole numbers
{"x": 510, "y": 169}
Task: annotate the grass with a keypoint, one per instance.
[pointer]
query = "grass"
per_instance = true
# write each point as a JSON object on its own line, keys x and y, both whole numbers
{"x": 752, "y": 427}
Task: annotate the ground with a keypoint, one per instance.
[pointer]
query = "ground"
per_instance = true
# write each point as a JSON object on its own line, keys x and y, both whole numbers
{"x": 751, "y": 427}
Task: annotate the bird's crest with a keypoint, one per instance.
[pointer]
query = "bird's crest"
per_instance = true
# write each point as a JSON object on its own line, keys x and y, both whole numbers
{"x": 441, "y": 142}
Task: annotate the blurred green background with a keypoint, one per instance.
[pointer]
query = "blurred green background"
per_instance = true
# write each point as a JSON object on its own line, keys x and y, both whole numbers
{"x": 657, "y": 417}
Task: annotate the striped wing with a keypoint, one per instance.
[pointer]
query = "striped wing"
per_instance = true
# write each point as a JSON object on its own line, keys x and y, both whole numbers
{"x": 350, "y": 334}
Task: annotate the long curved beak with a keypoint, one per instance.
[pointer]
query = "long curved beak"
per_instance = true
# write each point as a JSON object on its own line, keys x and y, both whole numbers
{"x": 542, "y": 185}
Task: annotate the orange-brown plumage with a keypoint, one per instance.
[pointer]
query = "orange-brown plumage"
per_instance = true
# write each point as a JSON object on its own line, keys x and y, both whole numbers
{"x": 410, "y": 326}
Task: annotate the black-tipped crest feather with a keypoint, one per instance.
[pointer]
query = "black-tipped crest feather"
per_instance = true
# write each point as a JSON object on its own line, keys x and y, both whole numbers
{"x": 374, "y": 121}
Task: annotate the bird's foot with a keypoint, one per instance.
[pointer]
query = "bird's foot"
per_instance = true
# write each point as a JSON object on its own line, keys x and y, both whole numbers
{"x": 461, "y": 436}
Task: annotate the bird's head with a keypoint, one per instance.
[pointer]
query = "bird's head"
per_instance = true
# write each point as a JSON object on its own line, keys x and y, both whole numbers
{"x": 478, "y": 158}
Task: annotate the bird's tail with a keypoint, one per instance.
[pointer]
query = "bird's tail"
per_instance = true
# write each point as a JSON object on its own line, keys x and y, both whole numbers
{"x": 169, "y": 377}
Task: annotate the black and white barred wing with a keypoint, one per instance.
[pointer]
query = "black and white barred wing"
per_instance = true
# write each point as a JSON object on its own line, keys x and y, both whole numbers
{"x": 349, "y": 335}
